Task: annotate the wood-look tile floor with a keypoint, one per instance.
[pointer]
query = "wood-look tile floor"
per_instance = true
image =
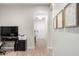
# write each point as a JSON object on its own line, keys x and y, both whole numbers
{"x": 30, "y": 52}
{"x": 40, "y": 50}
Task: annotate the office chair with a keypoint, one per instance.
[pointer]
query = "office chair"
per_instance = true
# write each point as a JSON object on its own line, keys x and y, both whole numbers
{"x": 1, "y": 50}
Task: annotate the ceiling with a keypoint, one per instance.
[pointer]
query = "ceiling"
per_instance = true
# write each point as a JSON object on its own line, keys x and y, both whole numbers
{"x": 29, "y": 4}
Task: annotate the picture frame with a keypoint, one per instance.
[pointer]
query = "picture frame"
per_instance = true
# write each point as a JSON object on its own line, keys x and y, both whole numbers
{"x": 70, "y": 14}
{"x": 60, "y": 19}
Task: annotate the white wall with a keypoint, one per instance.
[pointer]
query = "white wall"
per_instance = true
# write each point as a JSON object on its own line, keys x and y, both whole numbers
{"x": 21, "y": 16}
{"x": 65, "y": 41}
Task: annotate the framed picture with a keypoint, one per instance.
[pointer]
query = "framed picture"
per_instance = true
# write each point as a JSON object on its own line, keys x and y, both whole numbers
{"x": 55, "y": 23}
{"x": 70, "y": 15}
{"x": 60, "y": 19}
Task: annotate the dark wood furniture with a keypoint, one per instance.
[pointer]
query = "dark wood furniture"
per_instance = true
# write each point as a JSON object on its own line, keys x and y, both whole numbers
{"x": 20, "y": 45}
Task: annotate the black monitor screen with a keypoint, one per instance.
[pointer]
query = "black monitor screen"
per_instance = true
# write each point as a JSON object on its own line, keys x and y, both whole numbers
{"x": 9, "y": 31}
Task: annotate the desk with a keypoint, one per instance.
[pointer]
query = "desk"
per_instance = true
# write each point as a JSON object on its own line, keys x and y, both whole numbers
{"x": 9, "y": 38}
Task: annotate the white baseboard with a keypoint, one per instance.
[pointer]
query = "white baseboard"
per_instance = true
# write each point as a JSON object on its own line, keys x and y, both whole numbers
{"x": 53, "y": 54}
{"x": 50, "y": 47}
{"x": 30, "y": 47}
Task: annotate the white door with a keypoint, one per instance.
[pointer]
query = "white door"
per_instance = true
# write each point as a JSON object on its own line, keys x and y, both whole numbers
{"x": 40, "y": 29}
{"x": 40, "y": 32}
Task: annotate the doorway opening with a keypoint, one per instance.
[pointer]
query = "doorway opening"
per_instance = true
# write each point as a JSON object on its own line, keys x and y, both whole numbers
{"x": 40, "y": 30}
